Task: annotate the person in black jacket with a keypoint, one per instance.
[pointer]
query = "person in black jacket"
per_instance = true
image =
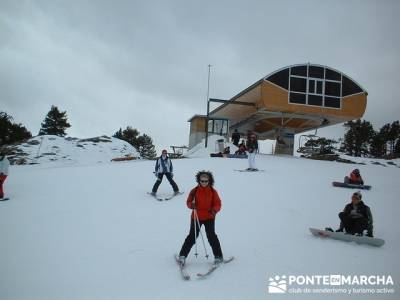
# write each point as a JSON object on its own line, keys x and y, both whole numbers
{"x": 236, "y": 137}
{"x": 356, "y": 217}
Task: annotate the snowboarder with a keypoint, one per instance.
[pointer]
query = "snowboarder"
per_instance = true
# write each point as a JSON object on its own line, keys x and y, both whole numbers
{"x": 236, "y": 138}
{"x": 4, "y": 165}
{"x": 205, "y": 203}
{"x": 354, "y": 178}
{"x": 252, "y": 148}
{"x": 164, "y": 167}
{"x": 356, "y": 217}
{"x": 241, "y": 150}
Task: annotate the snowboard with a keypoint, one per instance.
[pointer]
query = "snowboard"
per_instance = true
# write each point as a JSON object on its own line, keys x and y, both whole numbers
{"x": 4, "y": 199}
{"x": 250, "y": 171}
{"x": 351, "y": 185}
{"x": 165, "y": 198}
{"x": 347, "y": 237}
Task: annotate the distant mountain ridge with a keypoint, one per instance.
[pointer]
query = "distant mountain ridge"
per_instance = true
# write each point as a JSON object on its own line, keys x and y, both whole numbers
{"x": 47, "y": 149}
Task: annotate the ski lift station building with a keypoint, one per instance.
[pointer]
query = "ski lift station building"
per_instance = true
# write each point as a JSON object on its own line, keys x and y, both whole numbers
{"x": 289, "y": 101}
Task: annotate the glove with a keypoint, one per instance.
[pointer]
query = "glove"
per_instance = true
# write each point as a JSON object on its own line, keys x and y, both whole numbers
{"x": 172, "y": 175}
{"x": 213, "y": 212}
{"x": 156, "y": 174}
{"x": 193, "y": 205}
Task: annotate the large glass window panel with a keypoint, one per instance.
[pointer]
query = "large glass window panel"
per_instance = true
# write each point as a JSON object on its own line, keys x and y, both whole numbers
{"x": 311, "y": 86}
{"x": 319, "y": 87}
{"x": 218, "y": 126}
{"x": 332, "y": 88}
{"x": 298, "y": 84}
{"x": 332, "y": 75}
{"x": 315, "y": 72}
{"x": 314, "y": 100}
{"x": 332, "y": 102}
{"x": 210, "y": 126}
{"x": 350, "y": 87}
{"x": 281, "y": 78}
{"x": 299, "y": 71}
{"x": 225, "y": 127}
{"x": 297, "y": 98}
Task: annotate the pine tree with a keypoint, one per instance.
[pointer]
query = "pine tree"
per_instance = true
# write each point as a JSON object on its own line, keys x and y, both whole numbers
{"x": 384, "y": 133}
{"x": 393, "y": 136}
{"x": 142, "y": 143}
{"x": 358, "y": 137}
{"x": 397, "y": 149}
{"x": 55, "y": 122}
{"x": 11, "y": 132}
{"x": 129, "y": 135}
{"x": 146, "y": 147}
{"x": 118, "y": 134}
{"x": 324, "y": 146}
{"x": 378, "y": 145}
{"x": 5, "y": 123}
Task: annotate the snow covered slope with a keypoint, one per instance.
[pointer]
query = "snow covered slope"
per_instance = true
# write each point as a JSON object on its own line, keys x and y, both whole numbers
{"x": 55, "y": 150}
{"x": 92, "y": 232}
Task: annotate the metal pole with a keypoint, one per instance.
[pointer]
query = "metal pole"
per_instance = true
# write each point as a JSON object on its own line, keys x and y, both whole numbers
{"x": 195, "y": 231}
{"x": 201, "y": 234}
{"x": 208, "y": 106}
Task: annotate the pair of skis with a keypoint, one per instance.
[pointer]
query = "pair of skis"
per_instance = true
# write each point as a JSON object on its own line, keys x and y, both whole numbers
{"x": 185, "y": 275}
{"x": 165, "y": 198}
{"x": 4, "y": 199}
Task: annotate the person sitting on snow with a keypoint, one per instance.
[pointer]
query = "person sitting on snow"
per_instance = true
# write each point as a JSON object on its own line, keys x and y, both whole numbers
{"x": 164, "y": 167}
{"x": 356, "y": 217}
{"x": 241, "y": 150}
{"x": 354, "y": 178}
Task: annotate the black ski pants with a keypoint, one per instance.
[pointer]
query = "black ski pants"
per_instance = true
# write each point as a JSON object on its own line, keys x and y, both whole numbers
{"x": 353, "y": 225}
{"x": 211, "y": 236}
{"x": 159, "y": 180}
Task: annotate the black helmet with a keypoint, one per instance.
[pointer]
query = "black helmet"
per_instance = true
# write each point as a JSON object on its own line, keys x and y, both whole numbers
{"x": 356, "y": 171}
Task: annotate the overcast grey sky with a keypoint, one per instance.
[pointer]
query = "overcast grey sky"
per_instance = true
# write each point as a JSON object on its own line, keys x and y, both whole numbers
{"x": 113, "y": 64}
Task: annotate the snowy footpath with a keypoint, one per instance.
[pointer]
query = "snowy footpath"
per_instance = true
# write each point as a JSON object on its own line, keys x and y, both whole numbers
{"x": 93, "y": 232}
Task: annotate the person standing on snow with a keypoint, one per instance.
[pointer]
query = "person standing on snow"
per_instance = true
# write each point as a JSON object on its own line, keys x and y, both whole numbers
{"x": 236, "y": 137}
{"x": 205, "y": 203}
{"x": 252, "y": 148}
{"x": 164, "y": 167}
{"x": 356, "y": 217}
{"x": 4, "y": 165}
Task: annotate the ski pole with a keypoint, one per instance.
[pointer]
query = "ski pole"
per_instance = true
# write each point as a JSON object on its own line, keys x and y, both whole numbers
{"x": 195, "y": 232}
{"x": 201, "y": 234}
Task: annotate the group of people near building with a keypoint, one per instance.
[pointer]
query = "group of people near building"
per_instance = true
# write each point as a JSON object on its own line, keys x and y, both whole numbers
{"x": 205, "y": 204}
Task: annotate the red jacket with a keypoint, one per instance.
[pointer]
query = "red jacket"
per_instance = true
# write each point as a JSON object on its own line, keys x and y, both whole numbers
{"x": 207, "y": 202}
{"x": 355, "y": 178}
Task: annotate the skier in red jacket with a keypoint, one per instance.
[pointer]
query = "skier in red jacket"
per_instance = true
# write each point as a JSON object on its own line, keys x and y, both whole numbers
{"x": 205, "y": 204}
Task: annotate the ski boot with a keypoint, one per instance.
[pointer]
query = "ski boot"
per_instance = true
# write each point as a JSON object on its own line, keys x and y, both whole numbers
{"x": 182, "y": 261}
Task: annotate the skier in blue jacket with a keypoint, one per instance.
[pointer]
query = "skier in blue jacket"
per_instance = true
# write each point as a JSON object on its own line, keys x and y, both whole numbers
{"x": 164, "y": 167}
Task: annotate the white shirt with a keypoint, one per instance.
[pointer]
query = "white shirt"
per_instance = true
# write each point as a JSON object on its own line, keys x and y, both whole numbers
{"x": 4, "y": 164}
